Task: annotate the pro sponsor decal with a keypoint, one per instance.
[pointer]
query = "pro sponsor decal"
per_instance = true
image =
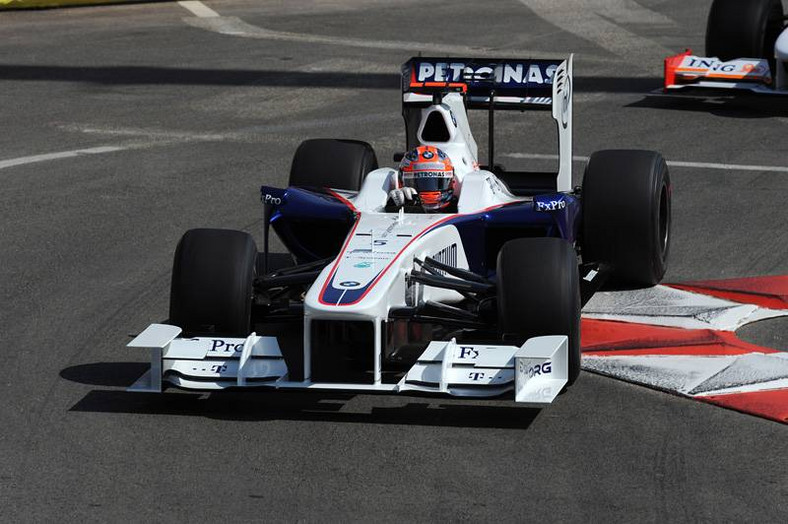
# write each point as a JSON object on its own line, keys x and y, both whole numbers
{"x": 715, "y": 65}
{"x": 532, "y": 370}
{"x": 467, "y": 353}
{"x": 272, "y": 195}
{"x": 510, "y": 73}
{"x": 692, "y": 67}
{"x": 546, "y": 203}
{"x": 218, "y": 345}
{"x": 495, "y": 185}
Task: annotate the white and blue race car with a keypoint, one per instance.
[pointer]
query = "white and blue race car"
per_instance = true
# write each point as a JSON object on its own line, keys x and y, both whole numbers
{"x": 483, "y": 301}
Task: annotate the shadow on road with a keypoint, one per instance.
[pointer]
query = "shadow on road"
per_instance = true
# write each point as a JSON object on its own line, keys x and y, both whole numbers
{"x": 117, "y": 374}
{"x": 323, "y": 406}
{"x": 139, "y": 75}
{"x": 741, "y": 105}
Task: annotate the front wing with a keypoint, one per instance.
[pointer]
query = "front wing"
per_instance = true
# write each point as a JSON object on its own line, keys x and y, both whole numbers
{"x": 686, "y": 70}
{"x": 535, "y": 372}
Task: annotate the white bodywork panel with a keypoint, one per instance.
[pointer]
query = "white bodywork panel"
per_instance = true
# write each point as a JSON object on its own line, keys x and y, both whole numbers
{"x": 541, "y": 369}
{"x": 461, "y": 146}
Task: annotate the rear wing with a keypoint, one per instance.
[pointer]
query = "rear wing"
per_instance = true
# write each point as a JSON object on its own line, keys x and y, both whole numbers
{"x": 495, "y": 84}
{"x": 512, "y": 84}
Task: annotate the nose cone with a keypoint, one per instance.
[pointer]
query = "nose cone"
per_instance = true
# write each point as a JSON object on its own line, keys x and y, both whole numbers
{"x": 367, "y": 275}
{"x": 360, "y": 273}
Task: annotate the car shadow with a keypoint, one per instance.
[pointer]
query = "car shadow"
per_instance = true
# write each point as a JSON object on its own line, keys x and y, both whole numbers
{"x": 270, "y": 405}
{"x": 740, "y": 105}
{"x": 147, "y": 75}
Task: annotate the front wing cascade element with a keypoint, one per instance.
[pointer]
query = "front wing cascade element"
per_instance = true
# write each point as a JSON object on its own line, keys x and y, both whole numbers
{"x": 536, "y": 371}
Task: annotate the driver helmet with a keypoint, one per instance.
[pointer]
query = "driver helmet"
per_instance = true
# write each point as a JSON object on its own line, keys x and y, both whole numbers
{"x": 429, "y": 171}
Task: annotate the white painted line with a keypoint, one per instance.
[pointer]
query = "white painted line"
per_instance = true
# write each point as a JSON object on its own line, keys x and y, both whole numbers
{"x": 100, "y": 150}
{"x": 727, "y": 167}
{"x": 199, "y": 9}
{"x": 54, "y": 156}
{"x": 234, "y": 26}
{"x": 542, "y": 156}
{"x": 671, "y": 163}
{"x": 161, "y": 138}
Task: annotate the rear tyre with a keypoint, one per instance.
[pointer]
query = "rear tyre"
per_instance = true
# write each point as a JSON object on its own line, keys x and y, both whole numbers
{"x": 539, "y": 293}
{"x": 743, "y": 28}
{"x": 626, "y": 215}
{"x": 327, "y": 162}
{"x": 212, "y": 277}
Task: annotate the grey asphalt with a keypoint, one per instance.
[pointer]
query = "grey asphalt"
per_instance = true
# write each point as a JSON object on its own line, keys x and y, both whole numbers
{"x": 203, "y": 119}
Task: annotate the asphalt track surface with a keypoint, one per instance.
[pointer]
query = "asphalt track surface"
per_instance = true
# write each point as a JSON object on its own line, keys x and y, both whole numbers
{"x": 195, "y": 121}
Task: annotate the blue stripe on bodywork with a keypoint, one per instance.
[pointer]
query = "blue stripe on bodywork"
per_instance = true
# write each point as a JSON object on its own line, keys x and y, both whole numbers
{"x": 340, "y": 295}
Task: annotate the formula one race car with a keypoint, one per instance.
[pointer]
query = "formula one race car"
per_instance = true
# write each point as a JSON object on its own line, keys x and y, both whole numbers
{"x": 747, "y": 48}
{"x": 479, "y": 301}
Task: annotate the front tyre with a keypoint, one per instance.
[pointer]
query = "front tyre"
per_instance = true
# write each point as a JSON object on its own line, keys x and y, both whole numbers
{"x": 539, "y": 293}
{"x": 212, "y": 278}
{"x": 743, "y": 28}
{"x": 626, "y": 215}
{"x": 334, "y": 163}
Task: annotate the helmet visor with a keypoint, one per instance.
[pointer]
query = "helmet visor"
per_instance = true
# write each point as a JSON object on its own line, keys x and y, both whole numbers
{"x": 428, "y": 180}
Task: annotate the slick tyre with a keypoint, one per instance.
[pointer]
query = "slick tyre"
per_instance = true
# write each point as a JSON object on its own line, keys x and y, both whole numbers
{"x": 743, "y": 28}
{"x": 539, "y": 293}
{"x": 626, "y": 199}
{"x": 327, "y": 162}
{"x": 212, "y": 278}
